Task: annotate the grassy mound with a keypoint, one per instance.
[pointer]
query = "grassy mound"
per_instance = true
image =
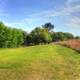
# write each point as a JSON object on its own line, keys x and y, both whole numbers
{"x": 45, "y": 62}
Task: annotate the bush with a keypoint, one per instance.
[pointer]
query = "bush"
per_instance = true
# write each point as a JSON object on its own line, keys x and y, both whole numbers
{"x": 10, "y": 37}
{"x": 38, "y": 36}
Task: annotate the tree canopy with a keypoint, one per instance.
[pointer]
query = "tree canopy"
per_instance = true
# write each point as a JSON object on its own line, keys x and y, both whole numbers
{"x": 10, "y": 37}
{"x": 48, "y": 26}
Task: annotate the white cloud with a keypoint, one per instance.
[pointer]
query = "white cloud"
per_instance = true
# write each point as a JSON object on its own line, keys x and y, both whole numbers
{"x": 12, "y": 24}
{"x": 73, "y": 22}
{"x": 68, "y": 9}
{"x": 65, "y": 10}
{"x": 72, "y": 1}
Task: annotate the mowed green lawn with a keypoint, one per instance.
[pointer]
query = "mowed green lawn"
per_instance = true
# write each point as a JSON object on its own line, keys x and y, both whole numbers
{"x": 43, "y": 62}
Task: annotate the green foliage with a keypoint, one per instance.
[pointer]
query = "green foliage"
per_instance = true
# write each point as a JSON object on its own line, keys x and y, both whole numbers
{"x": 38, "y": 36}
{"x": 2, "y": 34}
{"x": 77, "y": 37}
{"x": 28, "y": 40}
{"x": 48, "y": 26}
{"x": 10, "y": 37}
{"x": 60, "y": 36}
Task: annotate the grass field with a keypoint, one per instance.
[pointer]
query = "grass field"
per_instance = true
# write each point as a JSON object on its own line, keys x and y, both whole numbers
{"x": 44, "y": 62}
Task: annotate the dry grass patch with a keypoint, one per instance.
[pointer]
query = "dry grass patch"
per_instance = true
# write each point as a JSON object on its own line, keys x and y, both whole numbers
{"x": 74, "y": 44}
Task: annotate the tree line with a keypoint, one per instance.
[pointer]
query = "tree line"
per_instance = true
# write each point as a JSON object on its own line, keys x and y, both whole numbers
{"x": 12, "y": 37}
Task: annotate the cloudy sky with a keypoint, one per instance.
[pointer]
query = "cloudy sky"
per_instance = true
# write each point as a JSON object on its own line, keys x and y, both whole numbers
{"x": 28, "y": 14}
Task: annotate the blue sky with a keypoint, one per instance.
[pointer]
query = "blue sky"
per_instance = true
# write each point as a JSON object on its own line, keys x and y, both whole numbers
{"x": 28, "y": 14}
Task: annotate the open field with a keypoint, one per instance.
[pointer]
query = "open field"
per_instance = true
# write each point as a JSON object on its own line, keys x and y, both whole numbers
{"x": 44, "y": 62}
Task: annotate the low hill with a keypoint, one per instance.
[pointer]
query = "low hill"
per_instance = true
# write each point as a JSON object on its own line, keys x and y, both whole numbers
{"x": 44, "y": 62}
